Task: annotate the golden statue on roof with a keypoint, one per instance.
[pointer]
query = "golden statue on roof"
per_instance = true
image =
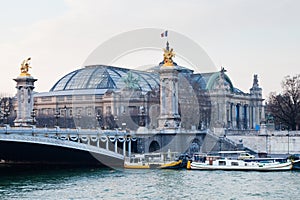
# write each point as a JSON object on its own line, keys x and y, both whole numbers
{"x": 168, "y": 55}
{"x": 25, "y": 65}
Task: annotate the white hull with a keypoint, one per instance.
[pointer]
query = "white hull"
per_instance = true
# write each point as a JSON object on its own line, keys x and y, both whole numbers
{"x": 226, "y": 164}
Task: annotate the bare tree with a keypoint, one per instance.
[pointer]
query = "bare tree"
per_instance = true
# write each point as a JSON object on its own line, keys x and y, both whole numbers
{"x": 285, "y": 106}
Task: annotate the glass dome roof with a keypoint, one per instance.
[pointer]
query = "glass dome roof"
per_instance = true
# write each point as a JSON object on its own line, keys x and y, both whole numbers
{"x": 109, "y": 77}
{"x": 106, "y": 77}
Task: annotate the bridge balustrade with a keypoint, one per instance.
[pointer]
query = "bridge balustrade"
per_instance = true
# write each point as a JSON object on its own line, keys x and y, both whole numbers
{"x": 62, "y": 136}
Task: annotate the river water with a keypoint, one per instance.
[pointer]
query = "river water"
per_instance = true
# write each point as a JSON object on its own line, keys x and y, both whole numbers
{"x": 148, "y": 184}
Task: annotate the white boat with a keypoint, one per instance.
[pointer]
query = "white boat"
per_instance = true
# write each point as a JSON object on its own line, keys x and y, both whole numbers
{"x": 219, "y": 163}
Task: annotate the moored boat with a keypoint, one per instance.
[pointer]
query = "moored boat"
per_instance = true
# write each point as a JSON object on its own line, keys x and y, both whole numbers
{"x": 296, "y": 164}
{"x": 219, "y": 163}
{"x": 168, "y": 160}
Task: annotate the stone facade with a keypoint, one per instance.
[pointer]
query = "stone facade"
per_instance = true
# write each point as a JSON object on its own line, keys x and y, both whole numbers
{"x": 25, "y": 86}
{"x": 204, "y": 101}
{"x": 236, "y": 110}
{"x": 169, "y": 115}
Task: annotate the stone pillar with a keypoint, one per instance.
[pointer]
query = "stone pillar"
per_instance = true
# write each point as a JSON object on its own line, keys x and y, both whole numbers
{"x": 25, "y": 86}
{"x": 116, "y": 145}
{"x": 124, "y": 147}
{"x": 254, "y": 117}
{"x": 129, "y": 148}
{"x": 263, "y": 119}
{"x": 248, "y": 116}
{"x": 257, "y": 120}
{"x": 238, "y": 111}
{"x": 245, "y": 117}
{"x": 106, "y": 144}
{"x": 169, "y": 115}
{"x": 241, "y": 115}
{"x": 234, "y": 116}
{"x": 238, "y": 116}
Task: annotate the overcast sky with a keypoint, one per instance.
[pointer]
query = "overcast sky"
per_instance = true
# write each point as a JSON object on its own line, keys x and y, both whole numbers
{"x": 246, "y": 37}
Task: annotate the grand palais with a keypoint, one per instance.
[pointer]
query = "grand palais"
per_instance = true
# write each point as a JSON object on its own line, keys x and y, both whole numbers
{"x": 109, "y": 97}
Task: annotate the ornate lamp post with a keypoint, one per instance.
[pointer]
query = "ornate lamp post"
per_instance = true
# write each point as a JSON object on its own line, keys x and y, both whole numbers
{"x": 65, "y": 109}
{"x": 115, "y": 124}
{"x": 1, "y": 117}
{"x": 57, "y": 116}
{"x": 33, "y": 115}
{"x": 98, "y": 118}
{"x": 78, "y": 116}
{"x": 5, "y": 111}
{"x": 6, "y": 114}
{"x": 2, "y": 113}
{"x": 142, "y": 116}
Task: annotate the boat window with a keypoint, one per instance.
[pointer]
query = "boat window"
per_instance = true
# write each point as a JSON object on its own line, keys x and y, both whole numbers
{"x": 222, "y": 162}
{"x": 234, "y": 164}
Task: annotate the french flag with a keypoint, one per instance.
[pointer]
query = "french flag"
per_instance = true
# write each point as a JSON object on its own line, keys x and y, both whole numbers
{"x": 164, "y": 34}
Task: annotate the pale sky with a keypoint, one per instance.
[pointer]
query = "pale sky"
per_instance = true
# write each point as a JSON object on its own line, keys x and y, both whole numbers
{"x": 247, "y": 37}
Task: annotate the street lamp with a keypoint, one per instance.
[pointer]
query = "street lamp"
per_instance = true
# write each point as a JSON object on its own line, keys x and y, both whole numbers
{"x": 33, "y": 115}
{"x": 65, "y": 109}
{"x": 1, "y": 117}
{"x": 6, "y": 114}
{"x": 98, "y": 118}
{"x": 57, "y": 116}
{"x": 142, "y": 115}
{"x": 78, "y": 116}
{"x": 115, "y": 124}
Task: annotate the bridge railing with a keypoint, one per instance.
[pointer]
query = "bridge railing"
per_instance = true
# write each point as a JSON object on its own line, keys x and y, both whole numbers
{"x": 91, "y": 137}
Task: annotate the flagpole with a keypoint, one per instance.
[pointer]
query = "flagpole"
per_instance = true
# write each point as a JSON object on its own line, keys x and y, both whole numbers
{"x": 165, "y": 34}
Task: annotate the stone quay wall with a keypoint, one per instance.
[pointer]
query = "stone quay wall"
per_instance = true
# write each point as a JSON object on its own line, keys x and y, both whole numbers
{"x": 271, "y": 142}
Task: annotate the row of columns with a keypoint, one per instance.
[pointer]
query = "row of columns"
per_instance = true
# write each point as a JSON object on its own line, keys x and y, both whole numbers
{"x": 245, "y": 116}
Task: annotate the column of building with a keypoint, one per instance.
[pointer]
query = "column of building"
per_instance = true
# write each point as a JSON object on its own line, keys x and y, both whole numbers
{"x": 25, "y": 86}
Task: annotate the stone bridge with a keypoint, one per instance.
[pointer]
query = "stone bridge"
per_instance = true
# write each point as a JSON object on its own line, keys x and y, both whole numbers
{"x": 24, "y": 145}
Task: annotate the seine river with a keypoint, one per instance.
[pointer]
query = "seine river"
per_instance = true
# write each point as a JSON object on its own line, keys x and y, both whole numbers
{"x": 148, "y": 184}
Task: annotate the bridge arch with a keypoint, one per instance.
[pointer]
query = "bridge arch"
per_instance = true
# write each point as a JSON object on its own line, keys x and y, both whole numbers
{"x": 154, "y": 146}
{"x": 195, "y": 146}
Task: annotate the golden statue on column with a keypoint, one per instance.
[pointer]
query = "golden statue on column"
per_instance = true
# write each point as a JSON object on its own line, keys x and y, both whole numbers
{"x": 25, "y": 65}
{"x": 168, "y": 55}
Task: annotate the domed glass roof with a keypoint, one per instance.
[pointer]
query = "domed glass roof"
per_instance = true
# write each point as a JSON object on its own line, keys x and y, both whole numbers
{"x": 109, "y": 77}
{"x": 106, "y": 77}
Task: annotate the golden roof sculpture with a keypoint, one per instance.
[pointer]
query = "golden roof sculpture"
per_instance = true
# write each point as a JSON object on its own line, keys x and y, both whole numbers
{"x": 25, "y": 65}
{"x": 168, "y": 55}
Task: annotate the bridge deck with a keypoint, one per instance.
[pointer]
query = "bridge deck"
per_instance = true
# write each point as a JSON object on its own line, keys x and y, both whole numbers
{"x": 60, "y": 146}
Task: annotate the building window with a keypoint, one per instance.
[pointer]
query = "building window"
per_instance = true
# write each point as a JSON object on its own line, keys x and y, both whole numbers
{"x": 89, "y": 97}
{"x": 89, "y": 111}
{"x": 69, "y": 98}
{"x": 60, "y": 98}
{"x": 78, "y": 97}
{"x": 222, "y": 162}
{"x": 46, "y": 99}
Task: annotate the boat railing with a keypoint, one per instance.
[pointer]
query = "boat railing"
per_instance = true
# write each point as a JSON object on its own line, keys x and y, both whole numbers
{"x": 161, "y": 157}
